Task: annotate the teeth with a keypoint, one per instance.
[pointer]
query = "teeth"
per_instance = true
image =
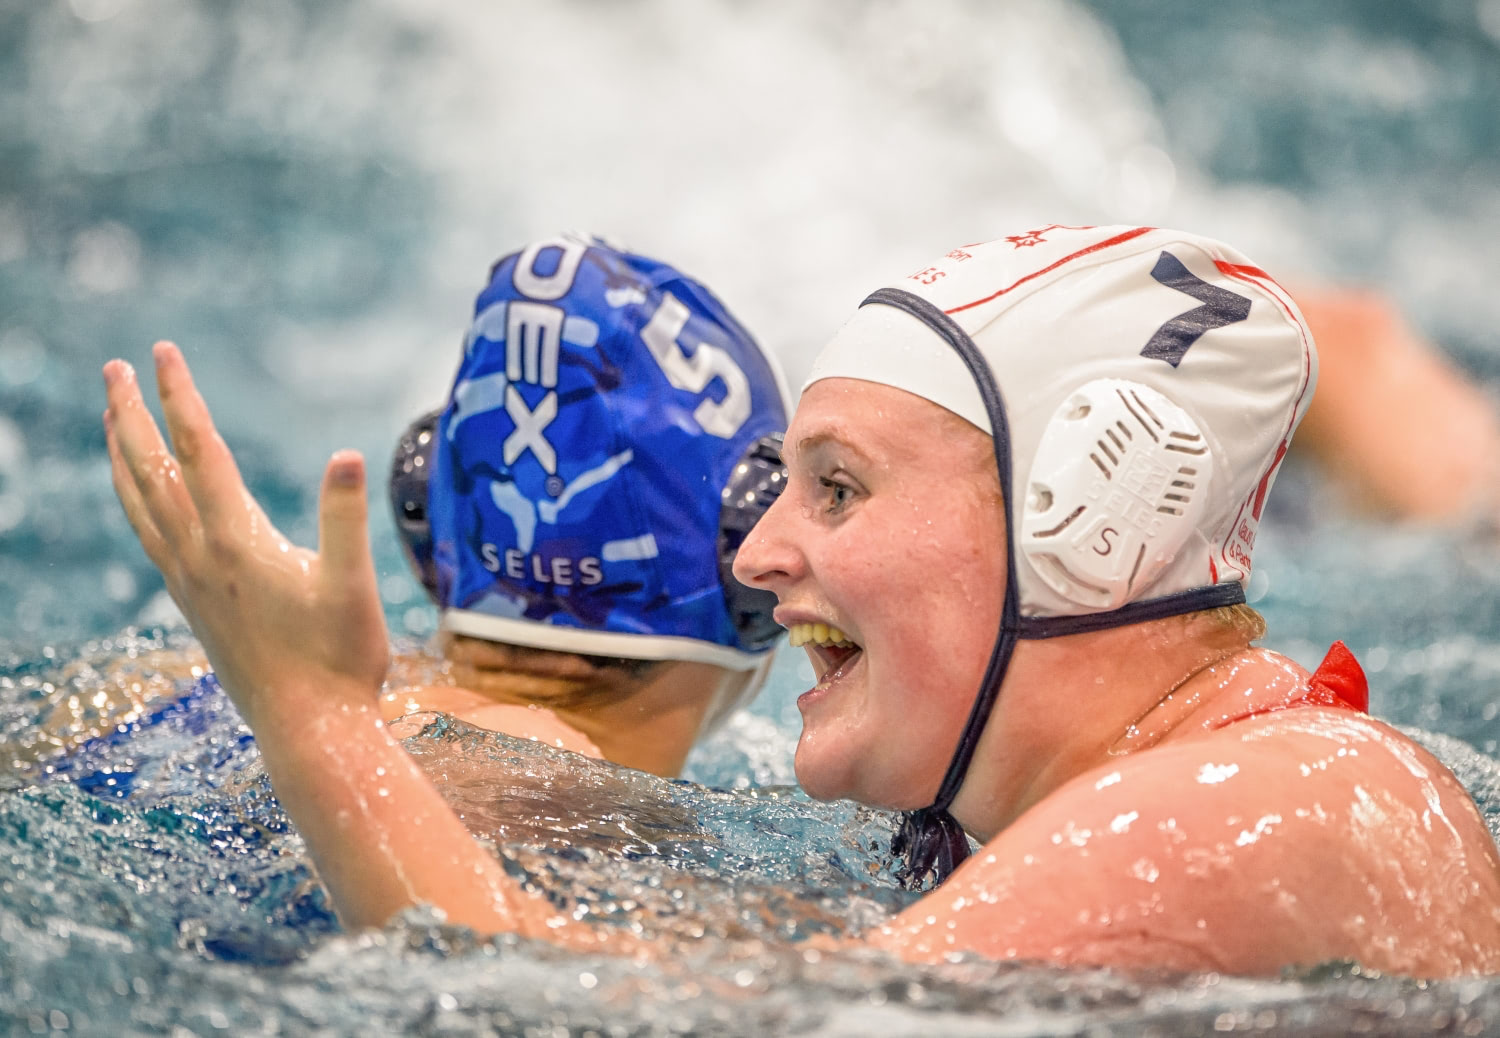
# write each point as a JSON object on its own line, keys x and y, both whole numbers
{"x": 817, "y": 634}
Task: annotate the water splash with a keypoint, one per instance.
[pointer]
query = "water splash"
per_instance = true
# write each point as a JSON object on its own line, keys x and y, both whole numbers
{"x": 156, "y": 883}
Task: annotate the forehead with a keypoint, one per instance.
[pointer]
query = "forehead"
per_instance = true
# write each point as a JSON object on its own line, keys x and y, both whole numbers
{"x": 881, "y": 423}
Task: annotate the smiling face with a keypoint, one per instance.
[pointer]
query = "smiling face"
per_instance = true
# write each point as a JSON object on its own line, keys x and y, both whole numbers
{"x": 891, "y": 533}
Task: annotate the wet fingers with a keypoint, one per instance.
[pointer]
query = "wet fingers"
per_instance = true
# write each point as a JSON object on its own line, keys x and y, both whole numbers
{"x": 208, "y": 468}
{"x": 343, "y": 514}
{"x": 131, "y": 500}
{"x": 158, "y": 481}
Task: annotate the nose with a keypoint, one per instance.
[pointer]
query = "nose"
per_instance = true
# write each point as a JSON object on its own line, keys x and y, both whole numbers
{"x": 769, "y": 557}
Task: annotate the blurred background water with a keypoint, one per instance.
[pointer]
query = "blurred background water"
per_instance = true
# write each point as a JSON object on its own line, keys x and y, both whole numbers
{"x": 306, "y": 194}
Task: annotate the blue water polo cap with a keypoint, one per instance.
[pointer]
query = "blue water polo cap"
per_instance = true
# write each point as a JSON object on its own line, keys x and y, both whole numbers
{"x": 609, "y": 437}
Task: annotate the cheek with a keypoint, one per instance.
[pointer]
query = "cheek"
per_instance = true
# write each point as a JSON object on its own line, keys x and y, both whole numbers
{"x": 933, "y": 621}
{"x": 949, "y": 590}
{"x": 925, "y": 591}
{"x": 857, "y": 570}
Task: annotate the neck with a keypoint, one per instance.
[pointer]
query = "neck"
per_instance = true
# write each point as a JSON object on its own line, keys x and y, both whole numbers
{"x": 1124, "y": 690}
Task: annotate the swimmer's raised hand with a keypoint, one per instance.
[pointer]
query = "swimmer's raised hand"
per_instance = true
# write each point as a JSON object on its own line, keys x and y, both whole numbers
{"x": 299, "y": 642}
{"x": 278, "y": 622}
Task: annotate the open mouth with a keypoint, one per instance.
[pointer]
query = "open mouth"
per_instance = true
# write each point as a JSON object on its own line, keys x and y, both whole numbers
{"x": 831, "y": 651}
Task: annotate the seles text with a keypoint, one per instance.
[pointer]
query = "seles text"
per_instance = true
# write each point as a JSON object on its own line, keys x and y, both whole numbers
{"x": 559, "y": 569}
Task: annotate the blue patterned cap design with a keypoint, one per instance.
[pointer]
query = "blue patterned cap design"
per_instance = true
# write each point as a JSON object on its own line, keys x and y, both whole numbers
{"x": 579, "y": 469}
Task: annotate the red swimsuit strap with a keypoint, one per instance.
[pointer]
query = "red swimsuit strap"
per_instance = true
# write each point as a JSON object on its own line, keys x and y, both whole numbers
{"x": 1341, "y": 680}
{"x": 1338, "y": 683}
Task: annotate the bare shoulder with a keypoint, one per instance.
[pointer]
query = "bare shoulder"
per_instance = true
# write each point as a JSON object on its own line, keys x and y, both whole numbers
{"x": 1306, "y": 836}
{"x": 522, "y": 722}
{"x": 532, "y": 722}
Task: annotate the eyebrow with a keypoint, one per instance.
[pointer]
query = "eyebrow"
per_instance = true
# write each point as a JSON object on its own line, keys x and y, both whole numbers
{"x": 828, "y": 439}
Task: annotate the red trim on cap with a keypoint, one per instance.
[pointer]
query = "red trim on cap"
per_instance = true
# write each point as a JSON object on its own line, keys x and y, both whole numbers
{"x": 1255, "y": 276}
{"x": 1134, "y": 232}
{"x": 1265, "y": 482}
{"x": 1244, "y": 271}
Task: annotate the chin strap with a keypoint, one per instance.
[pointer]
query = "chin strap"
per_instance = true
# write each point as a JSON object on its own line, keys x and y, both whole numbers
{"x": 930, "y": 841}
{"x": 931, "y": 844}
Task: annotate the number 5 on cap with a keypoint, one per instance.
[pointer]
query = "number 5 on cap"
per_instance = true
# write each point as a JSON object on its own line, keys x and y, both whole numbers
{"x": 721, "y": 418}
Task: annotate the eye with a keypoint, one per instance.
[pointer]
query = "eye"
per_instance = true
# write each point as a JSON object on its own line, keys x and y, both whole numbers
{"x": 835, "y": 494}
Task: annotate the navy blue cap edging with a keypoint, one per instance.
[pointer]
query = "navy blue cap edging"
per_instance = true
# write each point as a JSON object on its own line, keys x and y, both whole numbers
{"x": 1211, "y": 596}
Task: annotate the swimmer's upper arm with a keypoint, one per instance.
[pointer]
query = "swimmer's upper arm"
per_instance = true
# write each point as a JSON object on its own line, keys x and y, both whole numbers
{"x": 1169, "y": 859}
{"x": 535, "y": 723}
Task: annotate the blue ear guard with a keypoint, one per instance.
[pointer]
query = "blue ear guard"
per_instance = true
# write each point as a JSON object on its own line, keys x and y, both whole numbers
{"x": 758, "y": 481}
{"x": 407, "y": 486}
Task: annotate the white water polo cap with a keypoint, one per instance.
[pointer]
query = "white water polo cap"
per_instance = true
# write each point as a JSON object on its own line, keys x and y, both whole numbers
{"x": 1146, "y": 385}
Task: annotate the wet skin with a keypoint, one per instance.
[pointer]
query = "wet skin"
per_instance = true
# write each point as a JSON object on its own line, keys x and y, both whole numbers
{"x": 1124, "y": 822}
{"x": 1298, "y": 838}
{"x": 298, "y": 641}
{"x": 1122, "y": 826}
{"x": 646, "y": 719}
{"x": 874, "y": 536}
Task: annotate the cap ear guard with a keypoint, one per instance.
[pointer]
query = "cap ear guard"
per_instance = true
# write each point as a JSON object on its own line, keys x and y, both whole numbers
{"x": 1117, "y": 488}
{"x": 411, "y": 468}
{"x": 754, "y": 485}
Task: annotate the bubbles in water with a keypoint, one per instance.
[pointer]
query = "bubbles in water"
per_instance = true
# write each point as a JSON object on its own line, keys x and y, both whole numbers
{"x": 106, "y": 259}
{"x": 418, "y": 620}
{"x": 160, "y": 611}
{"x": 119, "y": 583}
{"x": 396, "y": 589}
{"x": 22, "y": 356}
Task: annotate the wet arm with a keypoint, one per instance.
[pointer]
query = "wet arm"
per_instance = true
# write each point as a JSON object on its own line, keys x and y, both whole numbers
{"x": 1393, "y": 418}
{"x": 298, "y": 641}
{"x": 379, "y": 833}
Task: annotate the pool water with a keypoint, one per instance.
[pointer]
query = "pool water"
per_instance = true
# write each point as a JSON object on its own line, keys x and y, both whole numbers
{"x": 306, "y": 194}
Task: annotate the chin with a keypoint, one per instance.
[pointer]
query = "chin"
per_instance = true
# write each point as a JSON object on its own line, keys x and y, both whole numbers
{"x": 814, "y": 780}
{"x": 825, "y": 776}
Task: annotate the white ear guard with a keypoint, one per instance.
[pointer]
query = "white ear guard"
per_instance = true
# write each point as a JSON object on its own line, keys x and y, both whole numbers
{"x": 1116, "y": 489}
